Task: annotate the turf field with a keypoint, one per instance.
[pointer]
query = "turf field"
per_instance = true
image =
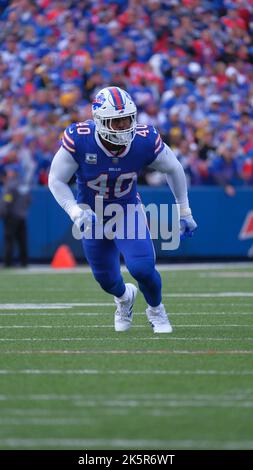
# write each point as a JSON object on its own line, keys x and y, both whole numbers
{"x": 68, "y": 381}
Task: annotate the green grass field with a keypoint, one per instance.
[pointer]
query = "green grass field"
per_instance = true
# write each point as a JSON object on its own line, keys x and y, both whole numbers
{"x": 68, "y": 381}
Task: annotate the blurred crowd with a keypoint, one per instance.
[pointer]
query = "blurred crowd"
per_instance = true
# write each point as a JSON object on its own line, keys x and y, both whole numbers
{"x": 187, "y": 63}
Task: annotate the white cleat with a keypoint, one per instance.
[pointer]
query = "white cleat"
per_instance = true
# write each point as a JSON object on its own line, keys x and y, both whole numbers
{"x": 124, "y": 313}
{"x": 158, "y": 319}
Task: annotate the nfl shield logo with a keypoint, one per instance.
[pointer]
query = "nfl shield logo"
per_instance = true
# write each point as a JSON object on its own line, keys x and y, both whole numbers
{"x": 91, "y": 158}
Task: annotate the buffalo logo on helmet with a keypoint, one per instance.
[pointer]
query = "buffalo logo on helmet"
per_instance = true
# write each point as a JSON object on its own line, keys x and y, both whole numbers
{"x": 98, "y": 101}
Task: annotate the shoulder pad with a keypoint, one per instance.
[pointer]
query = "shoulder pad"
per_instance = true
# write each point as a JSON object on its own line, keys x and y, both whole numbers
{"x": 68, "y": 138}
{"x": 153, "y": 137}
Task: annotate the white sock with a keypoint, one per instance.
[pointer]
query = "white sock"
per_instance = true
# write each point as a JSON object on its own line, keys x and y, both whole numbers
{"x": 155, "y": 309}
{"x": 125, "y": 296}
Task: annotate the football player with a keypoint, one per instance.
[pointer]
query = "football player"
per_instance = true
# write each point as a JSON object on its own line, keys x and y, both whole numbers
{"x": 106, "y": 155}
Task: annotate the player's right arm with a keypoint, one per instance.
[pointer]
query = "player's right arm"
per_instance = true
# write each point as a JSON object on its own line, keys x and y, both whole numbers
{"x": 62, "y": 169}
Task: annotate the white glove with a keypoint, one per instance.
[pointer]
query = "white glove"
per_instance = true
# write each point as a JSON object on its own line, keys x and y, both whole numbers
{"x": 83, "y": 220}
{"x": 187, "y": 224}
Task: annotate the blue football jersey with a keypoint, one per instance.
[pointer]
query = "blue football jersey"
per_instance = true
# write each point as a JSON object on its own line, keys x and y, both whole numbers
{"x": 104, "y": 173}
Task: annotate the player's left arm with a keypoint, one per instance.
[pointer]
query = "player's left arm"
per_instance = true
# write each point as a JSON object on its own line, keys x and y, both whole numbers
{"x": 167, "y": 162}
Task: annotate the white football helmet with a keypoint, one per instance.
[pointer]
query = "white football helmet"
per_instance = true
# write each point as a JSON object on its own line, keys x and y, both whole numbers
{"x": 112, "y": 103}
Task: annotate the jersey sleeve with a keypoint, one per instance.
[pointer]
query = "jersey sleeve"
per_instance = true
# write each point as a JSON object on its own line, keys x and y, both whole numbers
{"x": 68, "y": 140}
{"x": 156, "y": 144}
{"x": 159, "y": 145}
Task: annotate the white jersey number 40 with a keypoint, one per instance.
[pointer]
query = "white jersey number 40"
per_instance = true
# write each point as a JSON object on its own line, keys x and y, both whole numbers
{"x": 99, "y": 184}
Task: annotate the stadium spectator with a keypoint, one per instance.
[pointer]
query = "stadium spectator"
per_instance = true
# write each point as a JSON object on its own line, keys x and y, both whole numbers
{"x": 224, "y": 169}
{"x": 193, "y": 56}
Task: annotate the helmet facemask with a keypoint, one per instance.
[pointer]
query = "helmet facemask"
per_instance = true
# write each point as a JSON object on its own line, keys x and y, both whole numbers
{"x": 116, "y": 136}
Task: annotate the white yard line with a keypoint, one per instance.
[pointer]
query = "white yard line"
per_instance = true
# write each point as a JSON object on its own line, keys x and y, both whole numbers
{"x": 96, "y": 399}
{"x": 228, "y": 275}
{"x": 175, "y": 403}
{"x": 68, "y": 443}
{"x": 100, "y": 314}
{"x": 44, "y": 422}
{"x": 55, "y": 314}
{"x": 127, "y": 405}
{"x": 129, "y": 339}
{"x": 199, "y": 352}
{"x": 238, "y": 302}
{"x": 185, "y": 325}
{"x": 211, "y": 294}
{"x": 41, "y": 306}
{"x": 64, "y": 306}
{"x": 46, "y": 269}
{"x": 29, "y": 411}
{"x": 150, "y": 372}
{"x": 50, "y": 327}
